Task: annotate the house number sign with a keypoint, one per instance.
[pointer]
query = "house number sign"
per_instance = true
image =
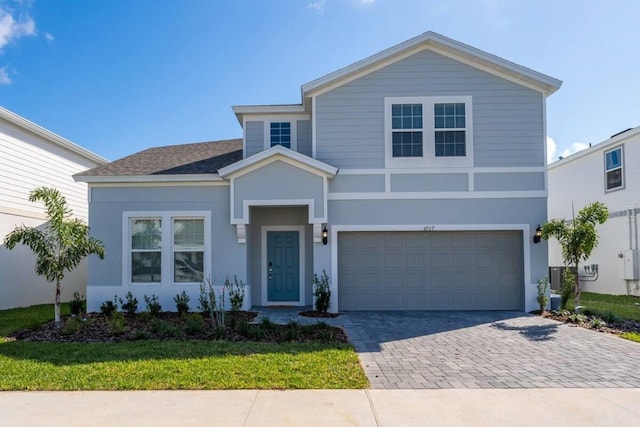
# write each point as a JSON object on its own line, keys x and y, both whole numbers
{"x": 429, "y": 228}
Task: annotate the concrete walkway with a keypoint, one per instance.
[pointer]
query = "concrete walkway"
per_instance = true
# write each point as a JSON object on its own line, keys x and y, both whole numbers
{"x": 334, "y": 408}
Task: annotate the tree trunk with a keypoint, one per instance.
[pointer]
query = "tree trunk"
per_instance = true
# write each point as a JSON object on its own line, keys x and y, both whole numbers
{"x": 576, "y": 291}
{"x": 57, "y": 304}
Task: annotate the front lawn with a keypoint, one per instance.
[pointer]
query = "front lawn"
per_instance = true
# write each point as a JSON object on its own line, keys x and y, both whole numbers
{"x": 623, "y": 306}
{"x": 169, "y": 364}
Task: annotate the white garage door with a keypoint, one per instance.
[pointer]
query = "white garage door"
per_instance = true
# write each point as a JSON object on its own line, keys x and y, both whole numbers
{"x": 441, "y": 270}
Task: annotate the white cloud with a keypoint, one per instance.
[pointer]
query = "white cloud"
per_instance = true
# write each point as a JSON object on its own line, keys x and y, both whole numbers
{"x": 552, "y": 149}
{"x": 317, "y": 6}
{"x": 49, "y": 37}
{"x": 11, "y": 29}
{"x": 4, "y": 76}
{"x": 574, "y": 148}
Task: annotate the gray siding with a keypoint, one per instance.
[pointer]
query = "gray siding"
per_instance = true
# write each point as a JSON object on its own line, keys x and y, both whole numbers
{"x": 254, "y": 137}
{"x": 276, "y": 216}
{"x": 304, "y": 137}
{"x": 356, "y": 183}
{"x": 509, "y": 181}
{"x": 507, "y": 118}
{"x": 277, "y": 181}
{"x": 430, "y": 182}
{"x": 105, "y": 218}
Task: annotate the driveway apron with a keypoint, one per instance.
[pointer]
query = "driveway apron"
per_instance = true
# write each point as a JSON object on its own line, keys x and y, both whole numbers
{"x": 471, "y": 349}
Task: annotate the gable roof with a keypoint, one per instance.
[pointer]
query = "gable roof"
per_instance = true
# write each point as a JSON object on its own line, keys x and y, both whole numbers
{"x": 278, "y": 152}
{"x": 443, "y": 45}
{"x": 185, "y": 159}
{"x": 21, "y": 122}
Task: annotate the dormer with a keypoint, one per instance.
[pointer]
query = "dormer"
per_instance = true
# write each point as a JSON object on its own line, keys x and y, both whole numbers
{"x": 265, "y": 126}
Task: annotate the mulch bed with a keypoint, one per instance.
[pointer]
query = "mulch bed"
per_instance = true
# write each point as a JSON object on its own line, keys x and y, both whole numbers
{"x": 96, "y": 328}
{"x": 617, "y": 328}
{"x": 319, "y": 314}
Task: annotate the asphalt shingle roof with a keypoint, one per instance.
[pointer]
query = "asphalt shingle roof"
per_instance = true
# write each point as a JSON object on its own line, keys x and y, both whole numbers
{"x": 198, "y": 158}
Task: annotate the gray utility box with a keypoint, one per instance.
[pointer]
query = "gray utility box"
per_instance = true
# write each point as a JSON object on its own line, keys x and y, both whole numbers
{"x": 630, "y": 269}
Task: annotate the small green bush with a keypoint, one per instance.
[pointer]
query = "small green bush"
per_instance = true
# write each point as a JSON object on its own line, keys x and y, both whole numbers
{"x": 598, "y": 323}
{"x": 322, "y": 292}
{"x": 543, "y": 297}
{"x": 568, "y": 283}
{"x": 153, "y": 306}
{"x": 236, "y": 292}
{"x": 117, "y": 324}
{"x": 71, "y": 326}
{"x": 78, "y": 305}
{"x": 194, "y": 324}
{"x": 242, "y": 327}
{"x": 182, "y": 303}
{"x": 131, "y": 304}
{"x": 141, "y": 334}
{"x": 108, "y": 308}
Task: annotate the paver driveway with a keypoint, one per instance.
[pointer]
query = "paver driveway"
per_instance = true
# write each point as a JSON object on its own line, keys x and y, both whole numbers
{"x": 419, "y": 350}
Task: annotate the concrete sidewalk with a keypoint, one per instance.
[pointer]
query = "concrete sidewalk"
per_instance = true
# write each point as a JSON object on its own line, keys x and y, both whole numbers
{"x": 494, "y": 407}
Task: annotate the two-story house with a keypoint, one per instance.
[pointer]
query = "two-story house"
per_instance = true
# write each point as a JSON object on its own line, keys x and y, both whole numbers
{"x": 607, "y": 172}
{"x": 415, "y": 178}
{"x": 30, "y": 157}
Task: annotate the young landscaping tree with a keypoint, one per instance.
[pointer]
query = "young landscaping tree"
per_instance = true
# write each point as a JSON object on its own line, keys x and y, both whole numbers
{"x": 60, "y": 244}
{"x": 577, "y": 239}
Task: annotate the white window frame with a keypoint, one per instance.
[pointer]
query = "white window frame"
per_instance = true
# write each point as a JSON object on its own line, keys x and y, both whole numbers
{"x": 294, "y": 131}
{"x": 428, "y": 159}
{"x": 621, "y": 167}
{"x": 167, "y": 250}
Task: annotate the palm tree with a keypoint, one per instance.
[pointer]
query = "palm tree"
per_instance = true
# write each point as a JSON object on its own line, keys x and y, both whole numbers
{"x": 577, "y": 239}
{"x": 60, "y": 244}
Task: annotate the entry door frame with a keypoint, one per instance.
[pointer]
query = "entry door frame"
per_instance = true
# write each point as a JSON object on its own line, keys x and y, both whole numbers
{"x": 263, "y": 265}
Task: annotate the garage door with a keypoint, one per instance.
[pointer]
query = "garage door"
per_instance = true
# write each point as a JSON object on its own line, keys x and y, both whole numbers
{"x": 442, "y": 270}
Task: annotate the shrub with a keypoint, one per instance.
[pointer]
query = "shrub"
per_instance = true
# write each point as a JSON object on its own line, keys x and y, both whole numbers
{"x": 153, "y": 306}
{"x": 182, "y": 303}
{"x": 141, "y": 334}
{"x": 212, "y": 304}
{"x": 598, "y": 323}
{"x": 71, "y": 326}
{"x": 236, "y": 292}
{"x": 108, "y": 308}
{"x": 610, "y": 317}
{"x": 543, "y": 288}
{"x": 577, "y": 318}
{"x": 267, "y": 324}
{"x": 568, "y": 282}
{"x": 322, "y": 292}
{"x": 243, "y": 328}
{"x": 78, "y": 304}
{"x": 194, "y": 324}
{"x": 131, "y": 306}
{"x": 117, "y": 324}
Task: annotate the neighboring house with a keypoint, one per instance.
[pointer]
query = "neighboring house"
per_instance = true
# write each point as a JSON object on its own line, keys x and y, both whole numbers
{"x": 31, "y": 157}
{"x": 415, "y": 178}
{"x": 608, "y": 172}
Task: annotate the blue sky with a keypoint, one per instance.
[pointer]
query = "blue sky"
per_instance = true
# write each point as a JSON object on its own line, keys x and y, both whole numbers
{"x": 120, "y": 76}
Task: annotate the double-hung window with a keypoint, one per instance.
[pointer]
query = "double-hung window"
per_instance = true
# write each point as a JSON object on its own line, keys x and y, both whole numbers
{"x": 428, "y": 131}
{"x": 281, "y": 134}
{"x": 614, "y": 176}
{"x": 166, "y": 247}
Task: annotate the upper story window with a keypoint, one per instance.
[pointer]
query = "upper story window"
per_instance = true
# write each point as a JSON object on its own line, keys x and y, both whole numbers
{"x": 614, "y": 169}
{"x": 165, "y": 247}
{"x": 281, "y": 134}
{"x": 450, "y": 125}
{"x": 406, "y": 122}
{"x": 428, "y": 132}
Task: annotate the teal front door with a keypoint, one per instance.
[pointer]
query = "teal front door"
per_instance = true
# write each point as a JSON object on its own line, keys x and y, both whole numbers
{"x": 283, "y": 266}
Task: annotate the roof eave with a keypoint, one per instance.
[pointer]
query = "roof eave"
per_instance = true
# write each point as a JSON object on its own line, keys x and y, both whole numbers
{"x": 241, "y": 110}
{"x": 212, "y": 177}
{"x": 27, "y": 125}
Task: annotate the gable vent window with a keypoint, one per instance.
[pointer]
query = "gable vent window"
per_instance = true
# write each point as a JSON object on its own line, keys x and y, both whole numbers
{"x": 281, "y": 134}
{"x": 614, "y": 169}
{"x": 406, "y": 122}
{"x": 450, "y": 130}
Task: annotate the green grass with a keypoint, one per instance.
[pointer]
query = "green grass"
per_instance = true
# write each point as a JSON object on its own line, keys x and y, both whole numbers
{"x": 156, "y": 365}
{"x": 632, "y": 336}
{"x": 621, "y": 306}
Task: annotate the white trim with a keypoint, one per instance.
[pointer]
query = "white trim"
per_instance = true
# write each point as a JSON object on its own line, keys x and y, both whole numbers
{"x": 159, "y": 184}
{"x": 443, "y": 170}
{"x": 439, "y": 195}
{"x": 524, "y": 228}
{"x": 242, "y": 110}
{"x": 440, "y": 44}
{"x": 51, "y": 137}
{"x": 277, "y": 152}
{"x": 310, "y": 203}
{"x": 293, "y": 129}
{"x": 301, "y": 243}
{"x": 314, "y": 120}
{"x": 172, "y": 178}
{"x": 22, "y": 213}
{"x": 428, "y": 160}
{"x": 166, "y": 249}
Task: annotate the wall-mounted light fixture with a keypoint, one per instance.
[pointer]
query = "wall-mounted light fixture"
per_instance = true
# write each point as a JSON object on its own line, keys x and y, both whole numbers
{"x": 325, "y": 235}
{"x": 538, "y": 235}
